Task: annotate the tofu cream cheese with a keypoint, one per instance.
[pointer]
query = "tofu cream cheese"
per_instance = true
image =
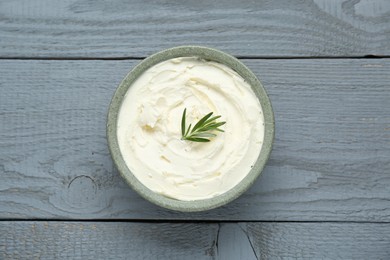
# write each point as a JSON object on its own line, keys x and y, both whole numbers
{"x": 149, "y": 128}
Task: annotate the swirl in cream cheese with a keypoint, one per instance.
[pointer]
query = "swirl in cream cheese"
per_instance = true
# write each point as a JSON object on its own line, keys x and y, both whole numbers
{"x": 149, "y": 128}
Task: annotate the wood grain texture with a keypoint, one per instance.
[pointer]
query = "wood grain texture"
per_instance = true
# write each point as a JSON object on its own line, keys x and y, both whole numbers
{"x": 319, "y": 240}
{"x": 120, "y": 240}
{"x": 331, "y": 157}
{"x": 293, "y": 28}
{"x": 75, "y": 240}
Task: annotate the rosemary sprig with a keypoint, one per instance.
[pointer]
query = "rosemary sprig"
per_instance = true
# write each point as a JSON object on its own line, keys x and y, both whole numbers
{"x": 202, "y": 130}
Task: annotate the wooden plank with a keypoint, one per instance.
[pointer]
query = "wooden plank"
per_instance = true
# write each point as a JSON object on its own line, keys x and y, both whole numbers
{"x": 78, "y": 240}
{"x": 331, "y": 158}
{"x": 233, "y": 242}
{"x": 137, "y": 28}
{"x": 319, "y": 240}
{"x": 121, "y": 240}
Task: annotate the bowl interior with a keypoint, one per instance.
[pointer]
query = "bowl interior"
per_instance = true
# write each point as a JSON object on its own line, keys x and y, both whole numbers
{"x": 207, "y": 54}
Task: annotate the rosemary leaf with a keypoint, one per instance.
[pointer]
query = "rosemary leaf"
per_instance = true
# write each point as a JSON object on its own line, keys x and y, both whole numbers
{"x": 202, "y": 130}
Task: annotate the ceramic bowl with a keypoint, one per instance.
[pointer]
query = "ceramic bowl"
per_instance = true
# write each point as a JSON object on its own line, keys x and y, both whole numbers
{"x": 207, "y": 54}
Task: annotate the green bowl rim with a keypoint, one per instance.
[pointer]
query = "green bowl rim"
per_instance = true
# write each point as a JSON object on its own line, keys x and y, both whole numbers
{"x": 207, "y": 54}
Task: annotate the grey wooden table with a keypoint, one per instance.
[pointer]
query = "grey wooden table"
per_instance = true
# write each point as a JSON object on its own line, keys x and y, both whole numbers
{"x": 325, "y": 193}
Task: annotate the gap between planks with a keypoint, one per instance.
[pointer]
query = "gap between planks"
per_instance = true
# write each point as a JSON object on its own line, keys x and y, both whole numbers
{"x": 184, "y": 221}
{"x": 237, "y": 56}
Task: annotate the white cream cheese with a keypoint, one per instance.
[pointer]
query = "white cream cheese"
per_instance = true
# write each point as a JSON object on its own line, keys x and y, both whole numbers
{"x": 149, "y": 128}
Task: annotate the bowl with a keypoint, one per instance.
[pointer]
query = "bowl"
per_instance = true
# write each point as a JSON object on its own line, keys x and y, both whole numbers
{"x": 210, "y": 55}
